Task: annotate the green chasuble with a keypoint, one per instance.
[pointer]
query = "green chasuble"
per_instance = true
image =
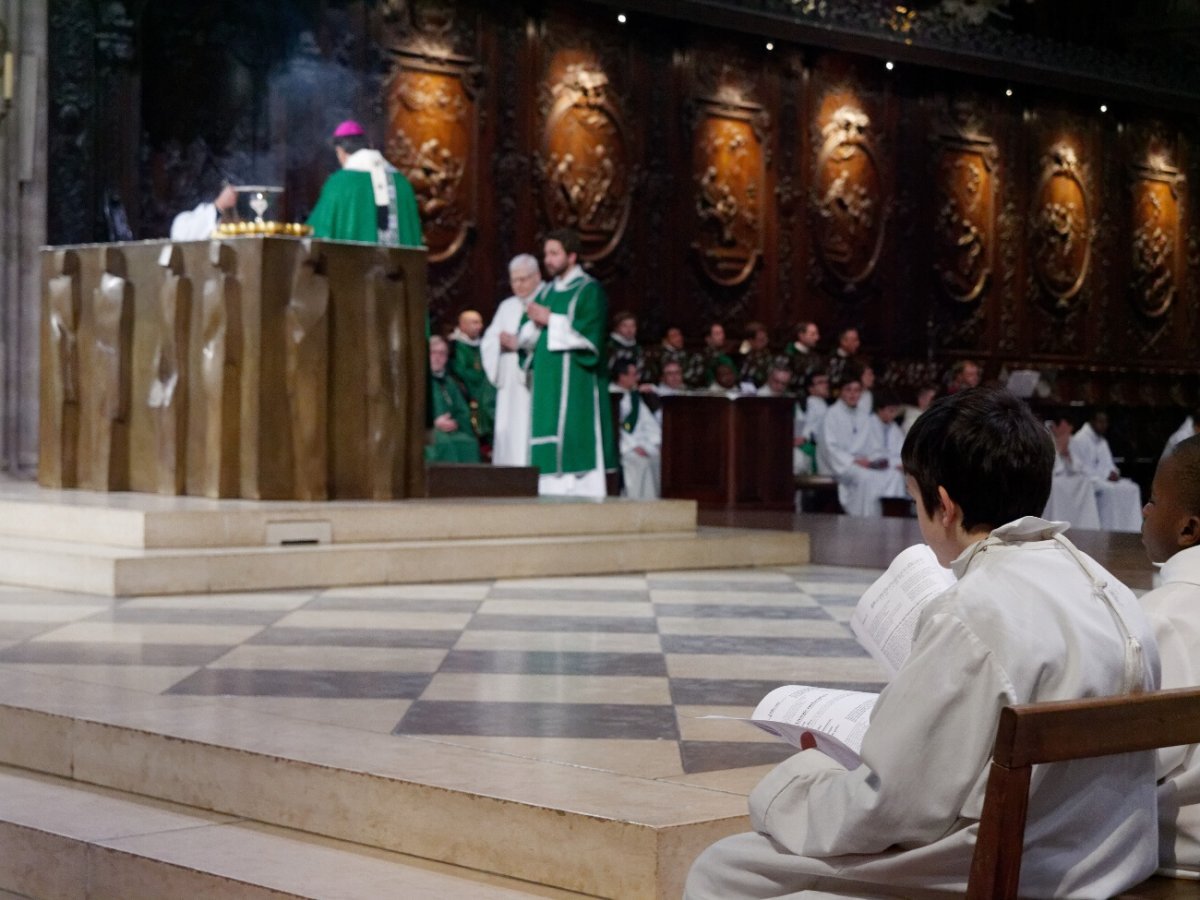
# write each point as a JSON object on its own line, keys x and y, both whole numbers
{"x": 451, "y": 446}
{"x": 466, "y": 364}
{"x": 570, "y": 387}
{"x": 346, "y": 210}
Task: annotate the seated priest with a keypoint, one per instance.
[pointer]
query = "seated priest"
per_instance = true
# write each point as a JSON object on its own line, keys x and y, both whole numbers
{"x": 811, "y": 419}
{"x": 466, "y": 364}
{"x": 452, "y": 438}
{"x": 849, "y": 448}
{"x": 1118, "y": 499}
{"x": 640, "y": 434}
{"x": 1072, "y": 497}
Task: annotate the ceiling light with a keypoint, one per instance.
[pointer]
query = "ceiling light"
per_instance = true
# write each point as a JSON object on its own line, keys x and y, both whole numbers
{"x": 889, "y": 65}
{"x": 770, "y": 46}
{"x": 1103, "y": 107}
{"x": 1008, "y": 92}
{"x": 621, "y": 18}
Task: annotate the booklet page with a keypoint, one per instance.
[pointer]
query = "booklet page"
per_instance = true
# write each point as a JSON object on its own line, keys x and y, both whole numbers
{"x": 886, "y": 617}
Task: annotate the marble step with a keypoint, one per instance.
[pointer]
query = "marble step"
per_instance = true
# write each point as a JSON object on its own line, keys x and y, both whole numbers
{"x": 64, "y": 839}
{"x": 574, "y": 827}
{"x": 123, "y": 572}
{"x": 148, "y": 521}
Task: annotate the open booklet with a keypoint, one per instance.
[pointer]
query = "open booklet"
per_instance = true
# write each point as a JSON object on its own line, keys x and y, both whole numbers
{"x": 884, "y": 622}
{"x": 886, "y": 615}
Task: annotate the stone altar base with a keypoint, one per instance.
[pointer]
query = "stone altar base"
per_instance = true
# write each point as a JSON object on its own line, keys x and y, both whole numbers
{"x": 127, "y": 544}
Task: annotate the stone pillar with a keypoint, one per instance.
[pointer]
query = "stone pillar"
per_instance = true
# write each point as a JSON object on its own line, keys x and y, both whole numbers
{"x": 22, "y": 232}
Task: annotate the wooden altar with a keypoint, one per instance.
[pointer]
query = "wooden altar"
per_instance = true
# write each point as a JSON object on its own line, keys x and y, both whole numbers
{"x": 731, "y": 453}
{"x": 268, "y": 368}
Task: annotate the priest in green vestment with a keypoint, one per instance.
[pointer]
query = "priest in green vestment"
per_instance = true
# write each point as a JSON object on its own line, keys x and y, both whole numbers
{"x": 367, "y": 199}
{"x": 563, "y": 333}
{"x": 453, "y": 439}
{"x": 466, "y": 364}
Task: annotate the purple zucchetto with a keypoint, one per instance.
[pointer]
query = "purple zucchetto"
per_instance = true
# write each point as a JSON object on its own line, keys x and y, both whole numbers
{"x": 349, "y": 128}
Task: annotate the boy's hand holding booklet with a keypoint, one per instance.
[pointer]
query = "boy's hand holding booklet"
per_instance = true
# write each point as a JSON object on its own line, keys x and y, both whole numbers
{"x": 883, "y": 621}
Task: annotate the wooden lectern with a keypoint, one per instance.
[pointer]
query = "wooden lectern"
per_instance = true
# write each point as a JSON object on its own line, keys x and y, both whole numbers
{"x": 728, "y": 453}
{"x": 269, "y": 368}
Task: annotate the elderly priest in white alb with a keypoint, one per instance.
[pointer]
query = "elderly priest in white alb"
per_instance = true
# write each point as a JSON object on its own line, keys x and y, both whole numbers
{"x": 502, "y": 363}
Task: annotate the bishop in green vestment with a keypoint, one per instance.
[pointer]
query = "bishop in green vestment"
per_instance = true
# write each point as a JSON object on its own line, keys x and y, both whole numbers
{"x": 367, "y": 200}
{"x": 563, "y": 333}
{"x": 453, "y": 440}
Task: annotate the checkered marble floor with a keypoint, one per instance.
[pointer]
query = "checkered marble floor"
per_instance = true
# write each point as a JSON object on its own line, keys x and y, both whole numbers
{"x": 607, "y": 672}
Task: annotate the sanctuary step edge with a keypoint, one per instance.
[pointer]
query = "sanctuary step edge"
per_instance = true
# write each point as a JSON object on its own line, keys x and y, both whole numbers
{"x": 63, "y": 839}
{"x": 576, "y": 828}
{"x": 120, "y": 572}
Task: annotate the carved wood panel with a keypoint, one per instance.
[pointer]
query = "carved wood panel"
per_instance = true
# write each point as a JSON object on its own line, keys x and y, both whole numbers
{"x": 1062, "y": 225}
{"x": 584, "y": 160}
{"x": 964, "y": 233}
{"x": 1156, "y": 235}
{"x": 432, "y": 137}
{"x": 847, "y": 199}
{"x": 728, "y": 188}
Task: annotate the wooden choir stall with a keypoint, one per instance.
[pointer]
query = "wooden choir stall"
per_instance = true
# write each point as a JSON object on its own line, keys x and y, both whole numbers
{"x": 730, "y": 453}
{"x": 268, "y": 368}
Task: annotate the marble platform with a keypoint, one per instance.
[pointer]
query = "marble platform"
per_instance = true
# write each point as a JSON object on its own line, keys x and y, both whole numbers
{"x": 142, "y": 544}
{"x": 544, "y": 731}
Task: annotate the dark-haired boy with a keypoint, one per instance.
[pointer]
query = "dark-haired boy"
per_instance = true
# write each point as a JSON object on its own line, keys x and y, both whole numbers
{"x": 1031, "y": 618}
{"x": 1171, "y": 533}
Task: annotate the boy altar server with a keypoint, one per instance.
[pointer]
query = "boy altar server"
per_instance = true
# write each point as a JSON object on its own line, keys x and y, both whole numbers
{"x": 1118, "y": 499}
{"x": 1171, "y": 533}
{"x": 847, "y": 448}
{"x": 1031, "y": 618}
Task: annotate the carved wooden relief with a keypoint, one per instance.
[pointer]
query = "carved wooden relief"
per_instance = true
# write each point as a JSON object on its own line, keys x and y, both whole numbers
{"x": 433, "y": 124}
{"x": 59, "y": 451}
{"x": 107, "y": 447}
{"x": 220, "y": 374}
{"x": 728, "y": 183}
{"x": 1062, "y": 226}
{"x": 386, "y": 399}
{"x": 168, "y": 396}
{"x": 1156, "y": 236}
{"x": 306, "y": 374}
{"x": 965, "y": 213}
{"x": 586, "y": 175}
{"x": 848, "y": 205}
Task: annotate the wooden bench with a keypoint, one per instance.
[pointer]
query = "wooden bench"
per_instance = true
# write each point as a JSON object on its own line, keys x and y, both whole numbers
{"x": 818, "y": 493}
{"x": 479, "y": 480}
{"x": 1054, "y": 732}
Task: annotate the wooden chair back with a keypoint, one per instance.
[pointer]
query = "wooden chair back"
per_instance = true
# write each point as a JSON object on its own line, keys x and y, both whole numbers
{"x": 1055, "y": 732}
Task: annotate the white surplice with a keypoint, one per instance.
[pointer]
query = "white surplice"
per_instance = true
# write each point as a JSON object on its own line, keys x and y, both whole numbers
{"x": 641, "y": 472}
{"x": 846, "y": 435}
{"x": 1072, "y": 497}
{"x": 510, "y": 443}
{"x": 1182, "y": 433}
{"x": 1174, "y": 611}
{"x": 1119, "y": 502}
{"x": 1030, "y": 619}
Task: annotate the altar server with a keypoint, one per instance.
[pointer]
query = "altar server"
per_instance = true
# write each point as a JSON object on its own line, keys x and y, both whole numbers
{"x": 846, "y": 449}
{"x": 1118, "y": 499}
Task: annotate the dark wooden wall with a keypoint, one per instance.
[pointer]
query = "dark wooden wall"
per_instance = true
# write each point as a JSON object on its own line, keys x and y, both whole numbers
{"x": 712, "y": 179}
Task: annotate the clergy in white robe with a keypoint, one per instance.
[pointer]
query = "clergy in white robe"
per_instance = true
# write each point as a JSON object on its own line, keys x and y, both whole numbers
{"x": 1030, "y": 619}
{"x": 1118, "y": 499}
{"x": 1182, "y": 433}
{"x": 848, "y": 449}
{"x": 640, "y": 436}
{"x": 501, "y": 362}
{"x": 199, "y": 224}
{"x": 1072, "y": 497}
{"x": 1171, "y": 533}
